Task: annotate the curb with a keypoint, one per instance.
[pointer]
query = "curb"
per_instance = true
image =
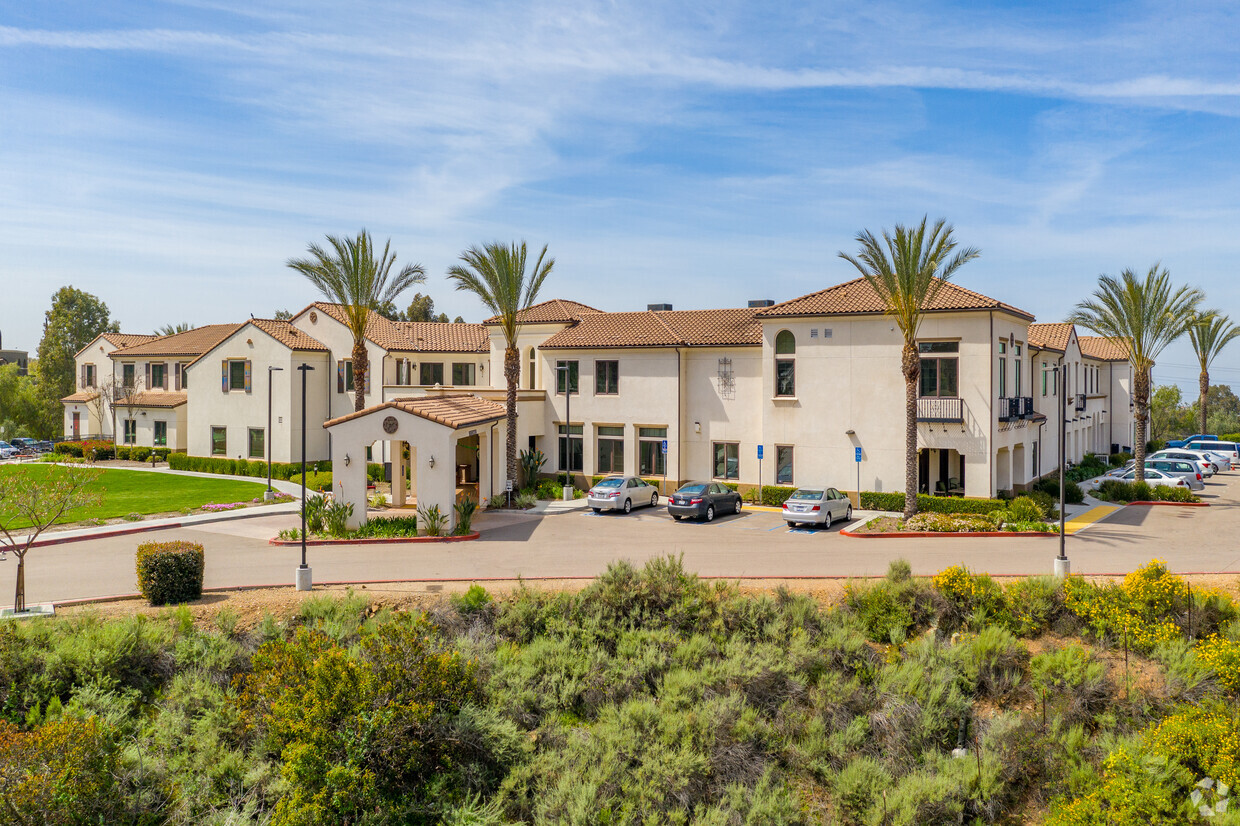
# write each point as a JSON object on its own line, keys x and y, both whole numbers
{"x": 1172, "y": 504}
{"x": 378, "y": 540}
{"x": 955, "y": 534}
{"x": 110, "y": 533}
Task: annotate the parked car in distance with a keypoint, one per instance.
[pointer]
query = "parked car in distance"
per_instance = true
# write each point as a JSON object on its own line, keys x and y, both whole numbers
{"x": 34, "y": 445}
{"x": 621, "y": 493}
{"x": 1207, "y": 467}
{"x": 703, "y": 500}
{"x": 1203, "y": 437}
{"x": 1226, "y": 449}
{"x": 7, "y": 451}
{"x": 1188, "y": 471}
{"x": 1152, "y": 476}
{"x": 816, "y": 506}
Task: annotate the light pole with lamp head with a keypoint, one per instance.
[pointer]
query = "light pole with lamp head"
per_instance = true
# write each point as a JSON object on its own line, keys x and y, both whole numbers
{"x": 568, "y": 431}
{"x": 1062, "y": 565}
{"x": 269, "y": 495}
{"x": 303, "y": 577}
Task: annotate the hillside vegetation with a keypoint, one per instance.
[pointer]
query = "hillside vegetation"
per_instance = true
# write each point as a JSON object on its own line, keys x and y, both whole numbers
{"x": 650, "y": 696}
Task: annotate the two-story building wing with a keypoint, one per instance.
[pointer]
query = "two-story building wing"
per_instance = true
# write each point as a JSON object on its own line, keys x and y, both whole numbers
{"x": 88, "y": 410}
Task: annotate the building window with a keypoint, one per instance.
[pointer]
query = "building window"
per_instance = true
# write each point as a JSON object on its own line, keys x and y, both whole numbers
{"x": 571, "y": 448}
{"x": 1002, "y": 369}
{"x": 430, "y": 373}
{"x": 463, "y": 374}
{"x": 219, "y": 441}
{"x": 131, "y": 431}
{"x": 88, "y": 375}
{"x": 258, "y": 443}
{"x": 939, "y": 368}
{"x": 127, "y": 371}
{"x": 785, "y": 364}
{"x": 606, "y": 378}
{"x": 727, "y": 460}
{"x": 1044, "y": 382}
{"x": 158, "y": 376}
{"x": 530, "y": 380}
{"x": 237, "y": 375}
{"x": 161, "y": 434}
{"x": 404, "y": 372}
{"x": 570, "y": 373}
{"x": 610, "y": 450}
{"x": 651, "y": 460}
{"x": 182, "y": 376}
{"x": 783, "y": 464}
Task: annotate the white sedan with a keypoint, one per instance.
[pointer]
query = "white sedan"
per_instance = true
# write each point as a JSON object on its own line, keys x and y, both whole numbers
{"x": 1152, "y": 477}
{"x": 621, "y": 493}
{"x": 816, "y": 506}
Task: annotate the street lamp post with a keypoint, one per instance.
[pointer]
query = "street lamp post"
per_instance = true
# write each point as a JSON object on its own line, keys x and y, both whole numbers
{"x": 269, "y": 495}
{"x": 303, "y": 576}
{"x": 1062, "y": 566}
{"x": 568, "y": 431}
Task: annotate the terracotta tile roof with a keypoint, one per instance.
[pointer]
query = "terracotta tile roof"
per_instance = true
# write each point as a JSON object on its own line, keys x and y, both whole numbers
{"x": 154, "y": 398}
{"x": 557, "y": 310}
{"x": 455, "y": 411}
{"x": 380, "y": 330}
{"x": 80, "y": 397}
{"x": 1103, "y": 348}
{"x": 438, "y": 337}
{"x": 288, "y": 335}
{"x": 194, "y": 342}
{"x": 128, "y": 339}
{"x": 858, "y": 297}
{"x": 661, "y": 328}
{"x": 1050, "y": 336}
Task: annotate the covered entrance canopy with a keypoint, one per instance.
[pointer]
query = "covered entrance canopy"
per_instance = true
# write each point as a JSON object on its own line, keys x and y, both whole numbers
{"x": 437, "y": 430}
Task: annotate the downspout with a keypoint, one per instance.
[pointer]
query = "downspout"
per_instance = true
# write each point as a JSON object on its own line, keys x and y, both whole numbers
{"x": 1110, "y": 405}
{"x": 679, "y": 419}
{"x": 491, "y": 460}
{"x": 992, "y": 458}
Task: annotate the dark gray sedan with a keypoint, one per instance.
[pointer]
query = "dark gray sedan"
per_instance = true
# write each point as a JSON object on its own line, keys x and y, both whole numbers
{"x": 703, "y": 500}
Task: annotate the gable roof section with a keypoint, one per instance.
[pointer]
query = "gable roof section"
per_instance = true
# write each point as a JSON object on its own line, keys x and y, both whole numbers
{"x": 190, "y": 343}
{"x": 1103, "y": 348}
{"x": 455, "y": 411}
{"x": 555, "y": 311}
{"x": 118, "y": 340}
{"x": 857, "y": 297}
{"x": 80, "y": 397}
{"x": 156, "y": 398}
{"x": 1050, "y": 336}
{"x": 284, "y": 332}
{"x": 440, "y": 337}
{"x": 661, "y": 328}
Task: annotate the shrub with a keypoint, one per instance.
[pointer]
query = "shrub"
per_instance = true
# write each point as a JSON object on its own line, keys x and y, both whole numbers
{"x": 968, "y": 599}
{"x": 1070, "y": 679}
{"x": 336, "y": 516}
{"x": 314, "y": 481}
{"x": 858, "y": 786}
{"x": 1072, "y": 493}
{"x": 1115, "y": 490}
{"x": 1034, "y": 604}
{"x": 433, "y": 520}
{"x": 946, "y": 523}
{"x": 993, "y": 661}
{"x": 473, "y": 601}
{"x": 68, "y": 448}
{"x": 1143, "y": 611}
{"x": 890, "y": 609}
{"x": 1222, "y": 656}
{"x": 313, "y": 510}
{"x": 139, "y": 454}
{"x": 1025, "y": 509}
{"x": 122, "y": 452}
{"x": 1206, "y": 739}
{"x": 929, "y": 504}
{"x": 170, "y": 572}
{"x": 465, "y": 510}
{"x": 386, "y": 527}
{"x": 531, "y": 462}
{"x": 374, "y": 472}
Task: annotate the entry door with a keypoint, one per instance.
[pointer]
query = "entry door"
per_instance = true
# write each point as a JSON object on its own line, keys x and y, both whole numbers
{"x": 944, "y": 474}
{"x": 77, "y": 425}
{"x": 923, "y": 471}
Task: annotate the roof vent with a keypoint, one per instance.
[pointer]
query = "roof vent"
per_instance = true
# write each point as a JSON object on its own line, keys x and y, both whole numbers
{"x": 657, "y": 308}
{"x": 761, "y": 302}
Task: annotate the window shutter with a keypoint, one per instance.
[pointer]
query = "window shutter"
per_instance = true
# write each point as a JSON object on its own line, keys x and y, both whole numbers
{"x": 340, "y": 376}
{"x": 147, "y": 373}
{"x": 247, "y": 375}
{"x": 82, "y": 376}
{"x": 176, "y": 376}
{"x": 224, "y": 375}
{"x": 165, "y": 383}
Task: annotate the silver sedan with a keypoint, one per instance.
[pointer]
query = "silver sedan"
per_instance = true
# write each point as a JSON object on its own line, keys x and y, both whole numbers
{"x": 621, "y": 493}
{"x": 816, "y": 506}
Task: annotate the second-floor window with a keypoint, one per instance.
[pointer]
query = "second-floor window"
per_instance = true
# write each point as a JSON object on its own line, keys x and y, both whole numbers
{"x": 430, "y": 373}
{"x": 1002, "y": 369}
{"x": 88, "y": 375}
{"x": 158, "y": 376}
{"x": 463, "y": 374}
{"x": 606, "y": 378}
{"x": 566, "y": 376}
{"x": 785, "y": 364}
{"x": 127, "y": 374}
{"x": 238, "y": 376}
{"x": 939, "y": 368}
{"x": 1016, "y": 361}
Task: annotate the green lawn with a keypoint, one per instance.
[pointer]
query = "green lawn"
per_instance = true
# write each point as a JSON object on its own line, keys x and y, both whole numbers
{"x": 136, "y": 491}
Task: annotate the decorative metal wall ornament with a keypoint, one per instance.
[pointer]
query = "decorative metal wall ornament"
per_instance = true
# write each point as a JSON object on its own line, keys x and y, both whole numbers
{"x": 390, "y": 424}
{"x": 727, "y": 380}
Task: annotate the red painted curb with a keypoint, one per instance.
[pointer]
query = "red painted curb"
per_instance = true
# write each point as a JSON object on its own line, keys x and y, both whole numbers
{"x": 1174, "y": 504}
{"x": 396, "y": 540}
{"x": 957, "y": 534}
{"x": 39, "y": 543}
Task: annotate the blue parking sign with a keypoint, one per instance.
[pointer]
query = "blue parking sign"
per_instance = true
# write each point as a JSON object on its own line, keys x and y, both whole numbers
{"x": 759, "y": 451}
{"x": 665, "y": 447}
{"x": 858, "y": 456}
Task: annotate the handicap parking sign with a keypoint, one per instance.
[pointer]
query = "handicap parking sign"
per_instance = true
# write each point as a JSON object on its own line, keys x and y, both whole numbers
{"x": 665, "y": 447}
{"x": 858, "y": 457}
{"x": 759, "y": 451}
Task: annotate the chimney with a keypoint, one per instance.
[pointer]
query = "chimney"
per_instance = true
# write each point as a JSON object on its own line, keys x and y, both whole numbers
{"x": 760, "y": 302}
{"x": 658, "y": 308}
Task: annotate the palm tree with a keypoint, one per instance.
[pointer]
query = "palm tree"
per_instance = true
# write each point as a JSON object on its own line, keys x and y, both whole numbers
{"x": 907, "y": 271}
{"x": 497, "y": 275}
{"x": 350, "y": 275}
{"x": 1145, "y": 314}
{"x": 1209, "y": 332}
{"x": 173, "y": 329}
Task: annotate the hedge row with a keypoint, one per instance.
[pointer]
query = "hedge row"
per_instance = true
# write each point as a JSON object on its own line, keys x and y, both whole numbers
{"x": 315, "y": 481}
{"x": 100, "y": 449}
{"x": 257, "y": 468}
{"x": 872, "y": 501}
{"x": 142, "y": 454}
{"x": 170, "y": 572}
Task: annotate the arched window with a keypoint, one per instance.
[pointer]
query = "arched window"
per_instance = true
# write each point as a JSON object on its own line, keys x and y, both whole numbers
{"x": 785, "y": 364}
{"x": 533, "y": 371}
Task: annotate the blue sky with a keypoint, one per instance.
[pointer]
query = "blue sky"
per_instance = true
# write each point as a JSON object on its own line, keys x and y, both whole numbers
{"x": 170, "y": 156}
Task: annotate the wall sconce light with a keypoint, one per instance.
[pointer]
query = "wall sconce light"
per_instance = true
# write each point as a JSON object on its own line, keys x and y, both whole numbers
{"x": 346, "y": 460}
{"x": 432, "y": 461}
{"x": 143, "y": 412}
{"x": 697, "y": 427}
{"x": 850, "y": 432}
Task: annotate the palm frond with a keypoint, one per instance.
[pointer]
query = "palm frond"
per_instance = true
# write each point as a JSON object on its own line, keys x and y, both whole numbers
{"x": 1209, "y": 332}
{"x": 497, "y": 274}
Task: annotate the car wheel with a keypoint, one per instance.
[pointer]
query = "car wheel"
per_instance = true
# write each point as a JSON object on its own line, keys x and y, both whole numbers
{"x": 676, "y": 518}
{"x": 792, "y": 524}
{"x": 738, "y": 505}
{"x": 710, "y": 513}
{"x": 654, "y": 499}
{"x": 826, "y": 522}
{"x": 848, "y": 514}
{"x": 597, "y": 510}
{"x": 628, "y": 505}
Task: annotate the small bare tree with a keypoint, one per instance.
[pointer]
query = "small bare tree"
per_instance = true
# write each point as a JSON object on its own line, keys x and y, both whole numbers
{"x": 105, "y": 400}
{"x": 33, "y": 501}
{"x": 127, "y": 397}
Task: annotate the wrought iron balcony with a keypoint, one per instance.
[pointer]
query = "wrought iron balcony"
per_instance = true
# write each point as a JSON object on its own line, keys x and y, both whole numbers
{"x": 940, "y": 409}
{"x": 1014, "y": 408}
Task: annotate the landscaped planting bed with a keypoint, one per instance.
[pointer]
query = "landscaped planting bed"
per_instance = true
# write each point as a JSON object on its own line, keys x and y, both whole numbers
{"x": 649, "y": 694}
{"x": 1022, "y": 515}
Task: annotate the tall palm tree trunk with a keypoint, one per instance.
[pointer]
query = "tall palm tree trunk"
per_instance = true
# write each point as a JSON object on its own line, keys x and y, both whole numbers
{"x": 1141, "y": 404}
{"x": 910, "y": 364}
{"x": 361, "y": 366}
{"x": 1203, "y": 384}
{"x": 512, "y": 375}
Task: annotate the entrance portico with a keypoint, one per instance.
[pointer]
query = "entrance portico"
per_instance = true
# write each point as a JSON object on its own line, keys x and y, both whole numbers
{"x": 439, "y": 430}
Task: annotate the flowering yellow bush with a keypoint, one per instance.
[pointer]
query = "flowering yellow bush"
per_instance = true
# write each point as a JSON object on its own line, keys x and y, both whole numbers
{"x": 1134, "y": 791}
{"x": 1204, "y": 739}
{"x": 1144, "y": 609}
{"x": 1223, "y": 657}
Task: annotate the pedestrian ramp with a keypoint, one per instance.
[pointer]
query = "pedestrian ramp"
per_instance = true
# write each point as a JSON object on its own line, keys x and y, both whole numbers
{"x": 1081, "y": 521}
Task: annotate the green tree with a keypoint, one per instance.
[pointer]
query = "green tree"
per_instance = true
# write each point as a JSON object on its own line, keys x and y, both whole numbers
{"x": 20, "y": 406}
{"x": 1146, "y": 314}
{"x": 1209, "y": 333}
{"x": 421, "y": 308}
{"x": 173, "y": 329}
{"x": 349, "y": 274}
{"x": 907, "y": 271}
{"x": 283, "y": 315}
{"x": 74, "y": 320}
{"x": 1168, "y": 414}
{"x": 497, "y": 274}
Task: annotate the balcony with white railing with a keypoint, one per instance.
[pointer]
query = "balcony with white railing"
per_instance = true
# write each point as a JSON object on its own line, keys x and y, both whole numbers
{"x": 940, "y": 409}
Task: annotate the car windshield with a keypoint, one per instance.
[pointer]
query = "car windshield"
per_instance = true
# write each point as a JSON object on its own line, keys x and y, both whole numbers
{"x": 692, "y": 489}
{"x": 806, "y": 494}
{"x": 610, "y": 483}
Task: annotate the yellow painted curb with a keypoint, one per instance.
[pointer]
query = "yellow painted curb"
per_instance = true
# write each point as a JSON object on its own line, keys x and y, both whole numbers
{"x": 1089, "y": 517}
